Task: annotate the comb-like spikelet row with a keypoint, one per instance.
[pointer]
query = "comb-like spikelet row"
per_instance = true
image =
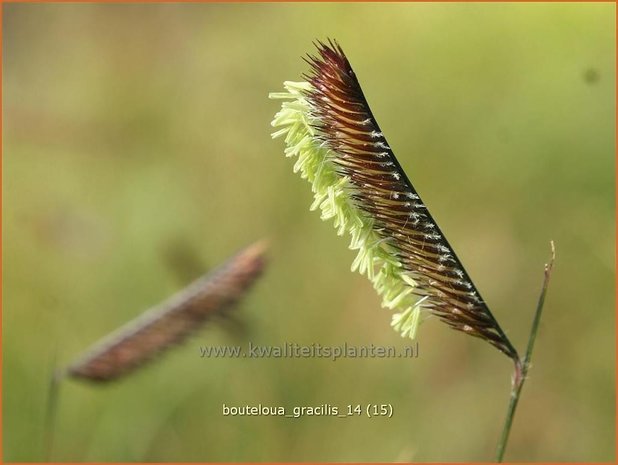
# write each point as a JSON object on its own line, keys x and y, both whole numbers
{"x": 173, "y": 321}
{"x": 357, "y": 180}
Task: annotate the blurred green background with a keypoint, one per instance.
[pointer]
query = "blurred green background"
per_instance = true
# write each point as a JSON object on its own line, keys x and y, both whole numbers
{"x": 137, "y": 154}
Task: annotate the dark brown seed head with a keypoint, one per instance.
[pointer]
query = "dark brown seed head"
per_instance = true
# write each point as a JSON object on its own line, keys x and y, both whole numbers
{"x": 381, "y": 189}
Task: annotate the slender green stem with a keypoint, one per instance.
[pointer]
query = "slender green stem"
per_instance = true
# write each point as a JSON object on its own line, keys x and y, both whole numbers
{"x": 522, "y": 366}
{"x": 53, "y": 391}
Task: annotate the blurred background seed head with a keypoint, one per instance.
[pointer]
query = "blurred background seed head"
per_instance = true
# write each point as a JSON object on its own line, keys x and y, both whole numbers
{"x": 137, "y": 147}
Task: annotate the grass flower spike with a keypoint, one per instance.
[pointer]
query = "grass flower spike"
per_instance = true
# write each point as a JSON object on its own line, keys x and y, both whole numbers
{"x": 173, "y": 321}
{"x": 358, "y": 183}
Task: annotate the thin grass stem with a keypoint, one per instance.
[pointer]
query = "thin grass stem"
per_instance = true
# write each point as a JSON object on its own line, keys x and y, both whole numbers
{"x": 522, "y": 366}
{"x": 53, "y": 394}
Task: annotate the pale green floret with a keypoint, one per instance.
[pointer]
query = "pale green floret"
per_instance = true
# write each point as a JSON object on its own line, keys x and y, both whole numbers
{"x": 331, "y": 196}
{"x": 406, "y": 322}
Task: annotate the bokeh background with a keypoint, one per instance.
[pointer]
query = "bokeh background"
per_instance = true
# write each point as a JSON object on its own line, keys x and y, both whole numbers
{"x": 137, "y": 155}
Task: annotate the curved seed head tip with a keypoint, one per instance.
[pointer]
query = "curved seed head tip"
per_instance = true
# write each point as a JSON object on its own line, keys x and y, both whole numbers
{"x": 398, "y": 251}
{"x": 172, "y": 321}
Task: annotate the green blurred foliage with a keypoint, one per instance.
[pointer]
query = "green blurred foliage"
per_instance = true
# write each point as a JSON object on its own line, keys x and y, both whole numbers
{"x": 136, "y": 135}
